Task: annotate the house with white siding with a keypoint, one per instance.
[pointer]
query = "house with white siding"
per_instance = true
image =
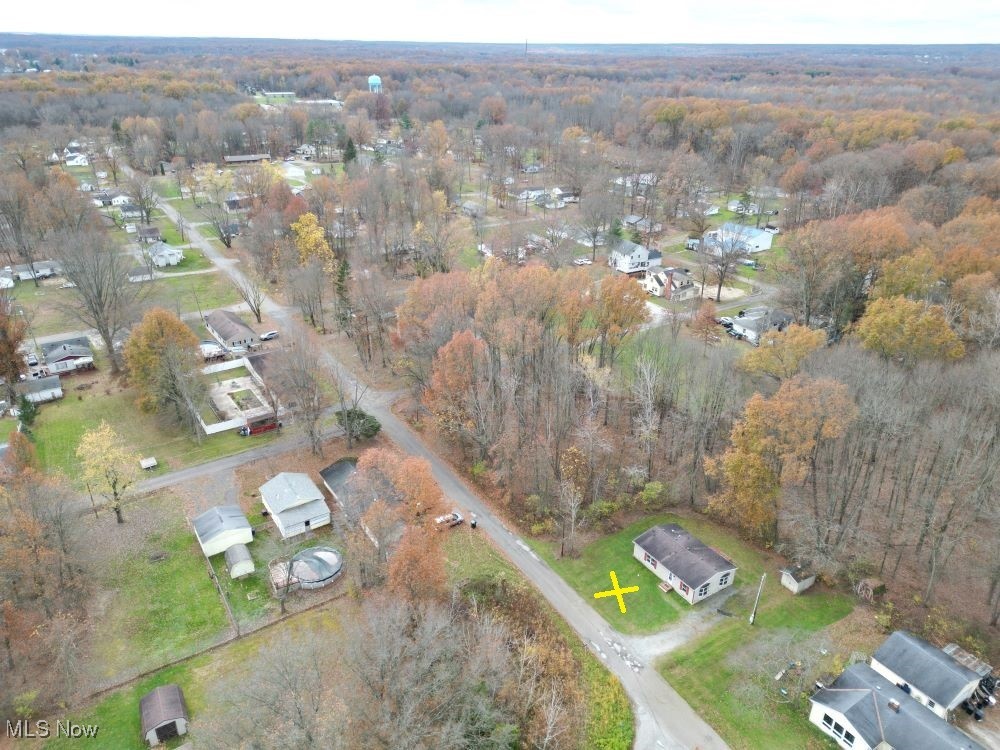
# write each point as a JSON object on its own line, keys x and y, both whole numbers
{"x": 862, "y": 710}
{"x": 628, "y": 257}
{"x": 684, "y": 563}
{"x": 930, "y": 676}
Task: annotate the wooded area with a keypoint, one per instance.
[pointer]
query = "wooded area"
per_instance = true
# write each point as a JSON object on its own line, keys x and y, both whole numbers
{"x": 864, "y": 439}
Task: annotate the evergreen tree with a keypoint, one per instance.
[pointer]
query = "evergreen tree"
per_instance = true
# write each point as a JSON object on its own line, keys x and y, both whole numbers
{"x": 350, "y": 152}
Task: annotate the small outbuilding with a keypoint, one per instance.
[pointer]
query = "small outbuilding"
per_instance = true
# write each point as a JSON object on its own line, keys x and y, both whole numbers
{"x": 41, "y": 390}
{"x": 336, "y": 477}
{"x": 239, "y": 561}
{"x": 164, "y": 714}
{"x": 797, "y": 578}
{"x": 220, "y": 528}
{"x": 295, "y": 503}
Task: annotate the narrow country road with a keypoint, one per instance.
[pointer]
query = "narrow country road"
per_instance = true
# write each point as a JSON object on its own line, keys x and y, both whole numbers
{"x": 664, "y": 721}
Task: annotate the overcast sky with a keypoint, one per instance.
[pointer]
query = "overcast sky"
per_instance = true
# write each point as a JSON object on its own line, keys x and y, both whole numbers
{"x": 539, "y": 21}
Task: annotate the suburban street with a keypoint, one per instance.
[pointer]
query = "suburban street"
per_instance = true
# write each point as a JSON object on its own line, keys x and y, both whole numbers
{"x": 664, "y": 721}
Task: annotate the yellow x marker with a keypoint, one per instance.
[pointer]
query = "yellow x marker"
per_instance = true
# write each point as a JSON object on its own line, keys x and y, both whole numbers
{"x": 616, "y": 591}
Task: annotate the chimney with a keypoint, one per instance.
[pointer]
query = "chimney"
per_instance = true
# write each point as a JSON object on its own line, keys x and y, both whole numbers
{"x": 894, "y": 705}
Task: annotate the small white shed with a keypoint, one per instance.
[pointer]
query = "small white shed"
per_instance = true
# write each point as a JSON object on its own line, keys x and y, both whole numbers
{"x": 797, "y": 579}
{"x": 239, "y": 561}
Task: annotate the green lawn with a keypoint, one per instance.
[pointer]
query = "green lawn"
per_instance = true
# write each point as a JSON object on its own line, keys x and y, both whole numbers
{"x": 49, "y": 308}
{"x": 203, "y": 292}
{"x": 647, "y": 610}
{"x": 166, "y": 187}
{"x": 470, "y": 258}
{"x": 610, "y": 725}
{"x": 703, "y": 676}
{"x": 194, "y": 260}
{"x": 163, "y": 608}
{"x": 61, "y": 424}
{"x": 250, "y": 598}
{"x": 168, "y": 230}
{"x": 701, "y": 672}
{"x": 187, "y": 209}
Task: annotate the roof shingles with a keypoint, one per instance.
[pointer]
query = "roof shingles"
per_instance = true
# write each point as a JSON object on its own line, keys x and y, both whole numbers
{"x": 686, "y": 557}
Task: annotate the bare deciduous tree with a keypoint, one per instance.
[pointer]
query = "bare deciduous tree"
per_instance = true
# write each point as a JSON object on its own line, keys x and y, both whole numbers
{"x": 251, "y": 291}
{"x": 300, "y": 385}
{"x": 105, "y": 299}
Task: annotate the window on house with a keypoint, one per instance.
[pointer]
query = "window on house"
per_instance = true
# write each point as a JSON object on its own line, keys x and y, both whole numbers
{"x": 651, "y": 561}
{"x": 848, "y": 739}
{"x": 724, "y": 579}
{"x": 838, "y": 729}
{"x": 930, "y": 703}
{"x": 684, "y": 587}
{"x": 703, "y": 590}
{"x": 827, "y": 721}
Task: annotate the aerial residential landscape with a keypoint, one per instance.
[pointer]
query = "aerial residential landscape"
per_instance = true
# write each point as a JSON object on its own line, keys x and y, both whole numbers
{"x": 587, "y": 393}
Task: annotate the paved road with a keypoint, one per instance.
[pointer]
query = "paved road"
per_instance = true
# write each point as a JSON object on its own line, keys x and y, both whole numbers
{"x": 664, "y": 721}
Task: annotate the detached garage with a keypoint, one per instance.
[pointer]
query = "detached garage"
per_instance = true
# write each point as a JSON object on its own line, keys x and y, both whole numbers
{"x": 220, "y": 528}
{"x": 295, "y": 503}
{"x": 164, "y": 714}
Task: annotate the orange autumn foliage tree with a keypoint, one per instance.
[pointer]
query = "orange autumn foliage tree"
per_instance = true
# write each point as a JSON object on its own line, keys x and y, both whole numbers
{"x": 775, "y": 445}
{"x": 908, "y": 331}
{"x": 417, "y": 568}
{"x": 749, "y": 495}
{"x": 781, "y": 353}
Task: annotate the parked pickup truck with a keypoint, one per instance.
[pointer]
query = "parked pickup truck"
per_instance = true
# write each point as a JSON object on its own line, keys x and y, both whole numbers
{"x": 448, "y": 520}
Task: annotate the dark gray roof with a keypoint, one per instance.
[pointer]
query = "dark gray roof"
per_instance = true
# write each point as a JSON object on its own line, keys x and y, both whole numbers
{"x": 926, "y": 667}
{"x": 164, "y": 704}
{"x": 686, "y": 557}
{"x": 335, "y": 475}
{"x": 862, "y": 695}
{"x": 216, "y": 520}
{"x": 39, "y": 385}
{"x": 289, "y": 490}
{"x": 229, "y": 325}
{"x": 71, "y": 346}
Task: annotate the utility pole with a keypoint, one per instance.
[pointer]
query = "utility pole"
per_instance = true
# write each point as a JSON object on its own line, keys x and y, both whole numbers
{"x": 753, "y": 615}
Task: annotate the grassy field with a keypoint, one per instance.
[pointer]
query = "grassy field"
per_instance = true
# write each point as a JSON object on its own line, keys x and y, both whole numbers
{"x": 60, "y": 425}
{"x": 191, "y": 213}
{"x": 168, "y": 230}
{"x": 702, "y": 674}
{"x": 163, "y": 608}
{"x": 647, "y": 610}
{"x": 470, "y": 258}
{"x": 192, "y": 293}
{"x": 166, "y": 187}
{"x": 610, "y": 725}
{"x": 194, "y": 260}
{"x": 49, "y": 308}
